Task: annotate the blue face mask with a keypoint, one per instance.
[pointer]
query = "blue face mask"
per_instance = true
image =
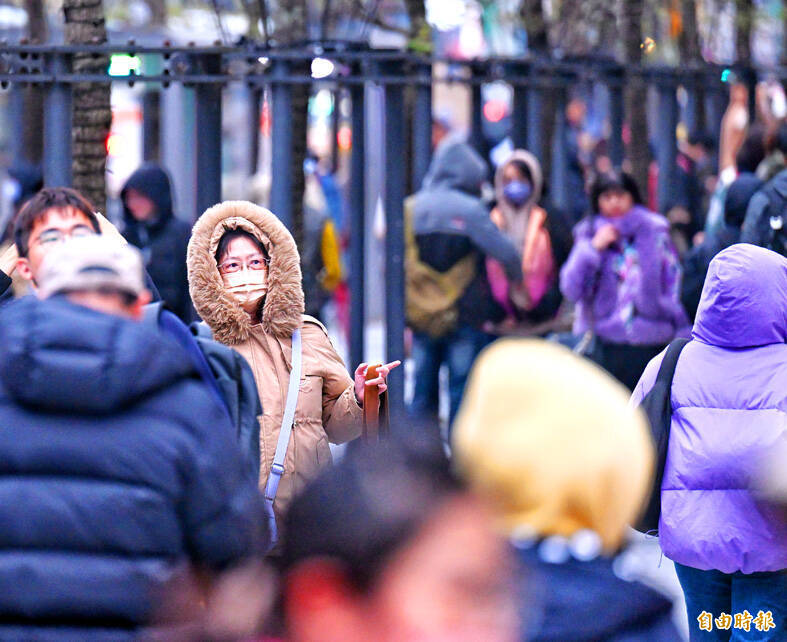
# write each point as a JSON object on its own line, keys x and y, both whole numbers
{"x": 517, "y": 192}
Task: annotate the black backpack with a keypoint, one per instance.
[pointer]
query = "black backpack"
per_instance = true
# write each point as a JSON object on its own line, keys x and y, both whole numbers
{"x": 657, "y": 405}
{"x": 232, "y": 377}
{"x": 777, "y": 235}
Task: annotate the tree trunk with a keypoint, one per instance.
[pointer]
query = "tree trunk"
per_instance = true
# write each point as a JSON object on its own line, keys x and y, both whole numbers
{"x": 420, "y": 33}
{"x": 744, "y": 17}
{"x": 784, "y": 33}
{"x": 300, "y": 120}
{"x": 92, "y": 112}
{"x": 637, "y": 151}
{"x": 158, "y": 11}
{"x": 33, "y": 95}
{"x": 534, "y": 21}
{"x": 691, "y": 54}
{"x": 537, "y": 28}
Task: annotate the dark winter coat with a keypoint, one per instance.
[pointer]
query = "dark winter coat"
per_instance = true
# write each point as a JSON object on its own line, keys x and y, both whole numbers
{"x": 586, "y": 601}
{"x": 450, "y": 222}
{"x": 116, "y": 466}
{"x": 696, "y": 262}
{"x": 162, "y": 240}
{"x": 771, "y": 200}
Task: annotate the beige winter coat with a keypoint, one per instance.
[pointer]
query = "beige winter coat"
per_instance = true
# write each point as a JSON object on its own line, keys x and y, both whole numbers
{"x": 327, "y": 409}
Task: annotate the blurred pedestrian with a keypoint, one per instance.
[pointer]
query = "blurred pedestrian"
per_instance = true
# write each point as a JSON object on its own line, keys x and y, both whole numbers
{"x": 696, "y": 262}
{"x": 119, "y": 466}
{"x": 245, "y": 280}
{"x": 24, "y": 180}
{"x": 388, "y": 546}
{"x": 734, "y": 126}
{"x": 765, "y": 221}
{"x": 687, "y": 204}
{"x": 542, "y": 235}
{"x": 624, "y": 276}
{"x": 449, "y": 236}
{"x": 567, "y": 479}
{"x": 322, "y": 259}
{"x": 728, "y": 406}
{"x": 776, "y": 153}
{"x": 748, "y": 159}
{"x": 149, "y": 223}
{"x": 576, "y": 112}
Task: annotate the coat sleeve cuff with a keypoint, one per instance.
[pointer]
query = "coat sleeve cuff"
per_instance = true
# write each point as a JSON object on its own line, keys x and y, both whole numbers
{"x": 346, "y": 420}
{"x": 588, "y": 257}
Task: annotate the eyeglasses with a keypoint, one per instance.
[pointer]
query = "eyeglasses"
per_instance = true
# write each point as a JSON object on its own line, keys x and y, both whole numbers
{"x": 254, "y": 263}
{"x": 50, "y": 238}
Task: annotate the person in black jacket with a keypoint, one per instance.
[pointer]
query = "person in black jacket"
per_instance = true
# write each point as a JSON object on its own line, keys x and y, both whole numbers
{"x": 697, "y": 261}
{"x": 150, "y": 224}
{"x": 118, "y": 468}
{"x": 765, "y": 220}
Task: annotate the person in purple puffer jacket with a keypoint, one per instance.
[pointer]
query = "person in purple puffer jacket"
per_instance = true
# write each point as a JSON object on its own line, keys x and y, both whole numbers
{"x": 729, "y": 401}
{"x": 624, "y": 276}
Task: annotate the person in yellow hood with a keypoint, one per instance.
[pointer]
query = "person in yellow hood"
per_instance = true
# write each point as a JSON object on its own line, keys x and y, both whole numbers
{"x": 245, "y": 281}
{"x": 552, "y": 441}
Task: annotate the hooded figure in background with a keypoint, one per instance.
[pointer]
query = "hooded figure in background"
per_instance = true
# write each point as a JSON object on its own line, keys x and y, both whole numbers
{"x": 567, "y": 480}
{"x": 542, "y": 237}
{"x": 729, "y": 400}
{"x": 150, "y": 224}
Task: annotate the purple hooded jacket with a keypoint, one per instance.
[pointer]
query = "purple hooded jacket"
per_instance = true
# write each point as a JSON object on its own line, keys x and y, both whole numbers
{"x": 729, "y": 400}
{"x": 628, "y": 293}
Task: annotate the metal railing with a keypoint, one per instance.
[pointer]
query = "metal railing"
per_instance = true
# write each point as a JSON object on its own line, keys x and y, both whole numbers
{"x": 208, "y": 69}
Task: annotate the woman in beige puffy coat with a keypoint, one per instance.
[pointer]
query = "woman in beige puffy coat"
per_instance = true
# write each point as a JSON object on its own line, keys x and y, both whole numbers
{"x": 245, "y": 282}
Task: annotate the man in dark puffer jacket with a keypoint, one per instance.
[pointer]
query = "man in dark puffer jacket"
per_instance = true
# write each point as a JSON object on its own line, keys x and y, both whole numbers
{"x": 117, "y": 466}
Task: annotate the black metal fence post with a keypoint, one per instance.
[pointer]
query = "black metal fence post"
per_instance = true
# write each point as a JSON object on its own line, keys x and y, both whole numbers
{"x": 477, "y": 138}
{"x": 393, "y": 197}
{"x": 357, "y": 225}
{"x": 281, "y": 142}
{"x": 57, "y": 124}
{"x": 520, "y": 127}
{"x": 693, "y": 84}
{"x": 716, "y": 101}
{"x": 207, "y": 141}
{"x": 151, "y": 125}
{"x": 667, "y": 142}
{"x": 255, "y": 116}
{"x": 559, "y": 178}
{"x": 16, "y": 114}
{"x": 422, "y": 124}
{"x": 536, "y": 141}
{"x": 615, "y": 80}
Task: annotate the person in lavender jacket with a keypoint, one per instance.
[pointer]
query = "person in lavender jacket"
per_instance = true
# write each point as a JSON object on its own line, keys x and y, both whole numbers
{"x": 729, "y": 401}
{"x": 624, "y": 276}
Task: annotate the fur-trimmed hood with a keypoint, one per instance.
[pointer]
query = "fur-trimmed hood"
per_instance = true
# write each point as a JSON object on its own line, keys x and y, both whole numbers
{"x": 283, "y": 308}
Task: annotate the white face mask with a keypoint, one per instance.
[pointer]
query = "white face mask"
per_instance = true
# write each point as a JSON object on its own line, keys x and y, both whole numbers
{"x": 247, "y": 287}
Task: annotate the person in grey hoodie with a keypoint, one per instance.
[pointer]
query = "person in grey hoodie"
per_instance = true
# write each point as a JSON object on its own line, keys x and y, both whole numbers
{"x": 450, "y": 233}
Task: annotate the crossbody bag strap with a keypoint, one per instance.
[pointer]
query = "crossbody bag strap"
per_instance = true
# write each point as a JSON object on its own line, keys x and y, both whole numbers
{"x": 277, "y": 469}
{"x": 670, "y": 363}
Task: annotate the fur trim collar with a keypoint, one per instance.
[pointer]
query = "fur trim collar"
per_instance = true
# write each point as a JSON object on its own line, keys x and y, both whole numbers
{"x": 283, "y": 307}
